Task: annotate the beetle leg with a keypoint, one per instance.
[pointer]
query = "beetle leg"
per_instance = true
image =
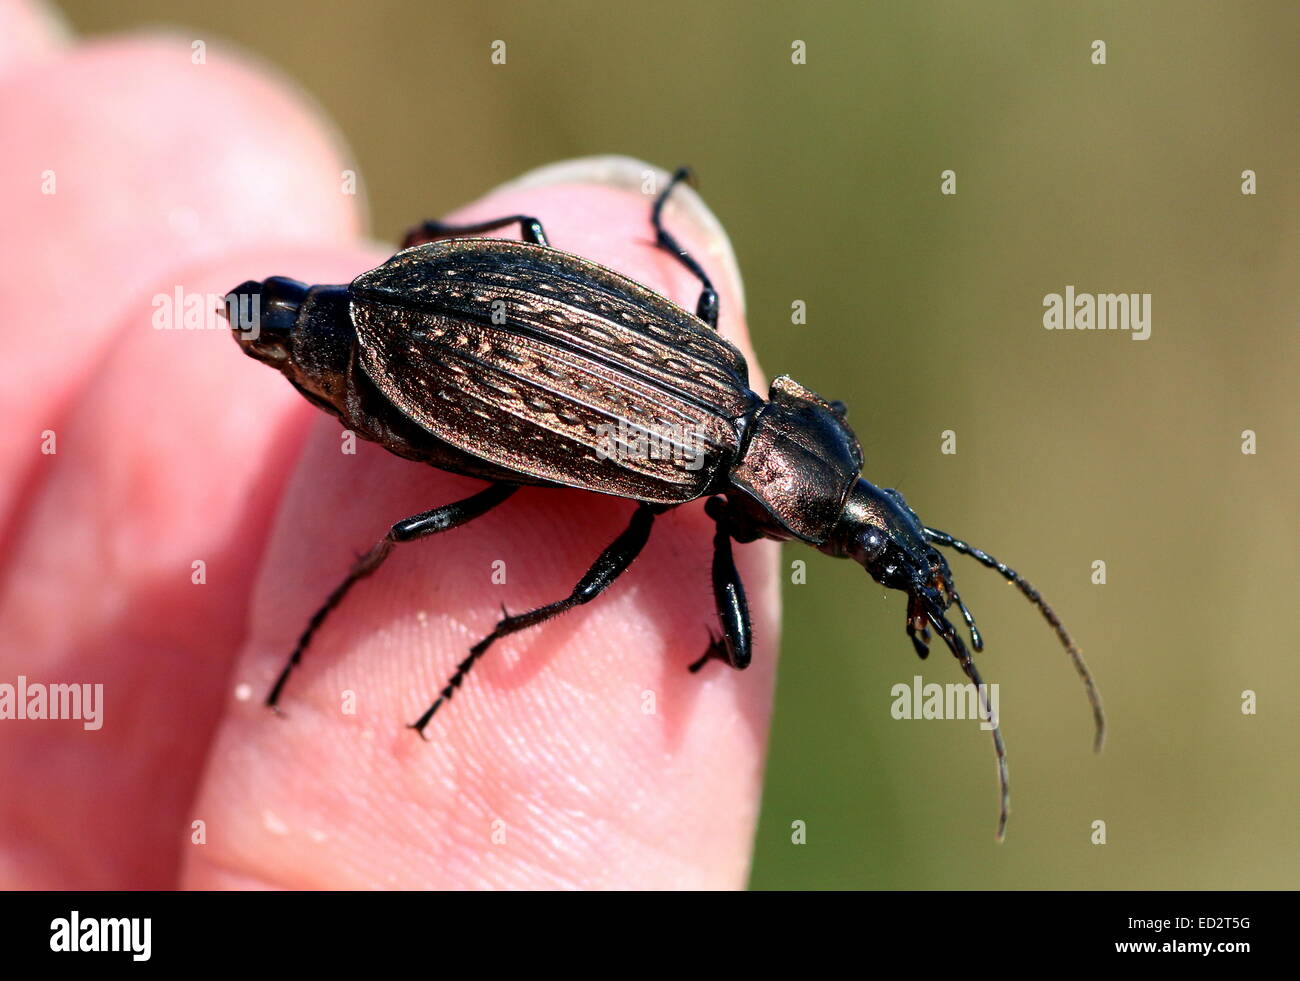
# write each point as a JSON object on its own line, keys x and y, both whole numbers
{"x": 729, "y": 596}
{"x": 707, "y": 307}
{"x": 530, "y": 229}
{"x": 408, "y": 529}
{"x": 611, "y": 564}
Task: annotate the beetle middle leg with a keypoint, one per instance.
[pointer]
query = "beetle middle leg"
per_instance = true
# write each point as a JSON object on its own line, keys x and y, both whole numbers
{"x": 530, "y": 229}
{"x": 707, "y": 307}
{"x": 734, "y": 646}
{"x": 611, "y": 564}
{"x": 407, "y": 530}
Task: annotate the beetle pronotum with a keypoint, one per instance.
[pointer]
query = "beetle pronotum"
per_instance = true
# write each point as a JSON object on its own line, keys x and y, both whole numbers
{"x": 512, "y": 361}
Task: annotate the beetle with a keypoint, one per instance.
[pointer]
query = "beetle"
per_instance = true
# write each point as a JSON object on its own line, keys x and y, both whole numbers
{"x": 513, "y": 361}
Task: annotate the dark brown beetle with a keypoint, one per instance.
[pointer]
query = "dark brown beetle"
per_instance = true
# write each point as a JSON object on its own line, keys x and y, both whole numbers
{"x": 521, "y": 364}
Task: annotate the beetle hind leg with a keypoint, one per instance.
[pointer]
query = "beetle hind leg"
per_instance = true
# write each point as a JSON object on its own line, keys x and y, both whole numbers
{"x": 409, "y": 529}
{"x": 530, "y": 230}
{"x": 707, "y": 307}
{"x": 607, "y": 568}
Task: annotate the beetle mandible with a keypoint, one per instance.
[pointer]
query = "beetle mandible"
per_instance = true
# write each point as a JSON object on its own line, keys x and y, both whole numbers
{"x": 514, "y": 362}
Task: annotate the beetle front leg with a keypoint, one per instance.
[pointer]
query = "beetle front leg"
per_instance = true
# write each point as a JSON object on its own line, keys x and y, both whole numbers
{"x": 611, "y": 564}
{"x": 734, "y": 647}
{"x": 707, "y": 306}
{"x": 407, "y": 530}
{"x": 530, "y": 230}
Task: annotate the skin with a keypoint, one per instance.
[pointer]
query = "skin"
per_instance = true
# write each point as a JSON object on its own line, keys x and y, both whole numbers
{"x": 545, "y": 771}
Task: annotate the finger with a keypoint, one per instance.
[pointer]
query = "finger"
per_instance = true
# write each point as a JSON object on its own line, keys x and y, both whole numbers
{"x": 132, "y": 573}
{"x": 193, "y": 161}
{"x": 580, "y": 753}
{"x": 163, "y": 452}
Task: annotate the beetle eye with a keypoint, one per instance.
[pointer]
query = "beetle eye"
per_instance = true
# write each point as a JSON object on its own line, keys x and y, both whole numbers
{"x": 871, "y": 544}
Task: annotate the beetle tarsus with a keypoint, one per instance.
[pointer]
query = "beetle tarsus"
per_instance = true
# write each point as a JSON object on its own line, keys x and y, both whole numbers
{"x": 530, "y": 230}
{"x": 713, "y": 652}
{"x": 408, "y": 529}
{"x": 602, "y": 574}
{"x": 707, "y": 306}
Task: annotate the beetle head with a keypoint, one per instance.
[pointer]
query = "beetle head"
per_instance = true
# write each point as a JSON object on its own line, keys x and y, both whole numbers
{"x": 879, "y": 530}
{"x": 262, "y": 316}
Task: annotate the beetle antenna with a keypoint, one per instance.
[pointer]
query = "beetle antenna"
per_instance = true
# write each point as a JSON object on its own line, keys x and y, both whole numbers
{"x": 934, "y": 613}
{"x": 1032, "y": 594}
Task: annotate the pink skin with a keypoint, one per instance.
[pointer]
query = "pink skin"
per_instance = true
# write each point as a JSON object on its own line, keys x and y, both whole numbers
{"x": 546, "y": 770}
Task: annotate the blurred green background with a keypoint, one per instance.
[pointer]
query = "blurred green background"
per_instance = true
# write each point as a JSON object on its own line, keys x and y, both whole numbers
{"x": 925, "y": 315}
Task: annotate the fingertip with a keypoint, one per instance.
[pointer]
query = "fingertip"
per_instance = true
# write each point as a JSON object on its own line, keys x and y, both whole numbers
{"x": 685, "y": 209}
{"x": 600, "y": 208}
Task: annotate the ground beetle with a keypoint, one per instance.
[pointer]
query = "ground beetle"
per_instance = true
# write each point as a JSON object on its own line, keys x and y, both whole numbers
{"x": 513, "y": 361}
